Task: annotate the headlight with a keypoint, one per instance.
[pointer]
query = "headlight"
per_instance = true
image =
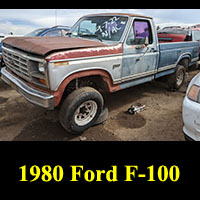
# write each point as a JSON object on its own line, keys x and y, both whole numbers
{"x": 193, "y": 93}
{"x": 41, "y": 68}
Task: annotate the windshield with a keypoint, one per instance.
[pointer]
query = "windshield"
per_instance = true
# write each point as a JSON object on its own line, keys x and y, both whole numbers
{"x": 36, "y": 32}
{"x": 103, "y": 28}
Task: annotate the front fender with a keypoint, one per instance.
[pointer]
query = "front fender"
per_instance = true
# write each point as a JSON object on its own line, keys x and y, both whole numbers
{"x": 105, "y": 75}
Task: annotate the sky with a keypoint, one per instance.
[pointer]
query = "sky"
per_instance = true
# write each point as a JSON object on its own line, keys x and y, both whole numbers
{"x": 22, "y": 21}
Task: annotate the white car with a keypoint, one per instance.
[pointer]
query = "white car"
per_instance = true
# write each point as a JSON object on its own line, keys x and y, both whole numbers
{"x": 191, "y": 110}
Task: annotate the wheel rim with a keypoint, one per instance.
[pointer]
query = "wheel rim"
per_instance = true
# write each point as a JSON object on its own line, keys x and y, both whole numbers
{"x": 180, "y": 77}
{"x": 85, "y": 113}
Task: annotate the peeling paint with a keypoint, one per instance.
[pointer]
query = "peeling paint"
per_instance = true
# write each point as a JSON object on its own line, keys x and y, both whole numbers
{"x": 45, "y": 45}
{"x": 86, "y": 52}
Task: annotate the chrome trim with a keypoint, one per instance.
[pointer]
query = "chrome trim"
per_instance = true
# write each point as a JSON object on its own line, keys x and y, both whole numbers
{"x": 32, "y": 95}
{"x": 22, "y": 54}
{"x": 167, "y": 67}
{"x": 135, "y": 76}
{"x": 25, "y": 66}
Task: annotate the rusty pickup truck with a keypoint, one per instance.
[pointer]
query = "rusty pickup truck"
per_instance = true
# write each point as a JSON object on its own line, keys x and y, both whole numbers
{"x": 102, "y": 52}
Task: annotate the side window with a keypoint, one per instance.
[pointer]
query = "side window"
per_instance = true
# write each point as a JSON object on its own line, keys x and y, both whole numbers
{"x": 55, "y": 33}
{"x": 140, "y": 32}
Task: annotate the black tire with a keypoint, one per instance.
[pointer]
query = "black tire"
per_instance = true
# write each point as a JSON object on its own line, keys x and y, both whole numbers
{"x": 80, "y": 110}
{"x": 176, "y": 80}
{"x": 102, "y": 117}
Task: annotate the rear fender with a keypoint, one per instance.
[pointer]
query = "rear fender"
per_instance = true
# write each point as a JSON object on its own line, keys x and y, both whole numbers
{"x": 187, "y": 55}
{"x": 184, "y": 59}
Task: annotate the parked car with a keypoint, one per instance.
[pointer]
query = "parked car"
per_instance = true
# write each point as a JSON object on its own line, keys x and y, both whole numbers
{"x": 0, "y": 52}
{"x": 196, "y": 26}
{"x": 173, "y": 34}
{"x": 191, "y": 110}
{"x": 178, "y": 34}
{"x": 55, "y": 31}
{"x": 102, "y": 53}
{"x": 2, "y": 36}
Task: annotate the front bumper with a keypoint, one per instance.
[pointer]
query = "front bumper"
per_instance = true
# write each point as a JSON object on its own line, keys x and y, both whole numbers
{"x": 32, "y": 95}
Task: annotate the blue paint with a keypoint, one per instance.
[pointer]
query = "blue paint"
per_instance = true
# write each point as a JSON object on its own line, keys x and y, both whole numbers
{"x": 136, "y": 82}
{"x": 143, "y": 64}
{"x": 164, "y": 73}
{"x": 172, "y": 53}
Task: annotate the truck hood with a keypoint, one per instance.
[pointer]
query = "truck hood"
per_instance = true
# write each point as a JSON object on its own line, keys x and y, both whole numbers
{"x": 46, "y": 45}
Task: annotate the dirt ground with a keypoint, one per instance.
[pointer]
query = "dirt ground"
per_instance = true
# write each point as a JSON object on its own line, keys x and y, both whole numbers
{"x": 160, "y": 121}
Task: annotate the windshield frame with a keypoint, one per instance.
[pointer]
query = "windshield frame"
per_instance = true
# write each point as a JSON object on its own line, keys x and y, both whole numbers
{"x": 104, "y": 15}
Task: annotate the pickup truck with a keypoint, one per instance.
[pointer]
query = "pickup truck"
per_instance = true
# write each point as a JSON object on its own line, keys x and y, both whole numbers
{"x": 101, "y": 53}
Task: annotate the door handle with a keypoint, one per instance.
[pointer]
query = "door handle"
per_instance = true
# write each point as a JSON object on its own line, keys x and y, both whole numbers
{"x": 153, "y": 50}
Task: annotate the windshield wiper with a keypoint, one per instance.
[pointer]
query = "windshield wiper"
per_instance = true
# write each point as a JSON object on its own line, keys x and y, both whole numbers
{"x": 91, "y": 35}
{"x": 68, "y": 34}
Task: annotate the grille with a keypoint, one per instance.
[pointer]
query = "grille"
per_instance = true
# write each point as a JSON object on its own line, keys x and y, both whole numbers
{"x": 17, "y": 63}
{"x": 24, "y": 65}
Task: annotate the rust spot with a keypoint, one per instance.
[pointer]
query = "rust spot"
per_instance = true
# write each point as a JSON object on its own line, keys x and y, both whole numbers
{"x": 46, "y": 45}
{"x": 86, "y": 52}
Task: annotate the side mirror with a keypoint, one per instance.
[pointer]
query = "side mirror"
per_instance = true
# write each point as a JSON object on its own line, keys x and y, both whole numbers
{"x": 144, "y": 45}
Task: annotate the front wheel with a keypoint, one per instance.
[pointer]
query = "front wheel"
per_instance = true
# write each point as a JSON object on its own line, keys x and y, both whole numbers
{"x": 81, "y": 109}
{"x": 176, "y": 80}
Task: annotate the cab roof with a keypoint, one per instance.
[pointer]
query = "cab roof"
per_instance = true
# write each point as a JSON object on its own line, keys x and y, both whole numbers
{"x": 121, "y": 14}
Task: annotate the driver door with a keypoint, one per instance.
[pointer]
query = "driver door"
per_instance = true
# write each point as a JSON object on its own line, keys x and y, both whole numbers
{"x": 140, "y": 53}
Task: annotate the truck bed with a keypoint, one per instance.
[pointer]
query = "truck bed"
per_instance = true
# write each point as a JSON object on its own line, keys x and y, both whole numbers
{"x": 171, "y": 53}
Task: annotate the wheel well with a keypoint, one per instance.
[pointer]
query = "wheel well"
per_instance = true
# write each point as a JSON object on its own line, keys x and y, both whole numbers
{"x": 95, "y": 81}
{"x": 98, "y": 79}
{"x": 185, "y": 63}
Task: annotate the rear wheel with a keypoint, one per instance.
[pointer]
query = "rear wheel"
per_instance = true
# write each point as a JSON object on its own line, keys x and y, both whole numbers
{"x": 176, "y": 80}
{"x": 81, "y": 109}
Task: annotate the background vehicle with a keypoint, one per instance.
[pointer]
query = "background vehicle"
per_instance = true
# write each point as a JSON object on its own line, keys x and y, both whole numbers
{"x": 174, "y": 34}
{"x": 102, "y": 53}
{"x": 178, "y": 34}
{"x": 191, "y": 110}
{"x": 0, "y": 53}
{"x": 2, "y": 36}
{"x": 55, "y": 31}
{"x": 196, "y": 26}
